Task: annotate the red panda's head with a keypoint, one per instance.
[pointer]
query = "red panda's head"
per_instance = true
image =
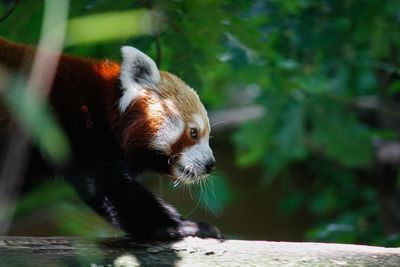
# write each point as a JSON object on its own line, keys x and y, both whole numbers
{"x": 163, "y": 115}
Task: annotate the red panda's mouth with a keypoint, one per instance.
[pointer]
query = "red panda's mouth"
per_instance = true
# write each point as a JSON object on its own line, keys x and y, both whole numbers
{"x": 187, "y": 173}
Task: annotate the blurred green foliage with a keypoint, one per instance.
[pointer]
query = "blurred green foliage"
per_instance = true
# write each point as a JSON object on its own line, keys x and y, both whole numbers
{"x": 38, "y": 120}
{"x": 57, "y": 202}
{"x": 309, "y": 63}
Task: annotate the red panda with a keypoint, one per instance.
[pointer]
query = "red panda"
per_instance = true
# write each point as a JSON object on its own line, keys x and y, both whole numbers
{"x": 120, "y": 121}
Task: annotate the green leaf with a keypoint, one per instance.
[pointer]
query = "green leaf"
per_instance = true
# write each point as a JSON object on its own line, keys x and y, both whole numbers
{"x": 342, "y": 138}
{"x": 54, "y": 191}
{"x": 324, "y": 201}
{"x": 254, "y": 139}
{"x": 290, "y": 135}
{"x": 394, "y": 87}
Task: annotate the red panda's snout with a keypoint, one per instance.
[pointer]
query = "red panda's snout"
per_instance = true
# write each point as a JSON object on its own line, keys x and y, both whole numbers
{"x": 194, "y": 163}
{"x": 192, "y": 156}
{"x": 172, "y": 119}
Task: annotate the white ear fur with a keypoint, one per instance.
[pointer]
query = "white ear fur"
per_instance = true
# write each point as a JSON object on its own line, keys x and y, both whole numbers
{"x": 138, "y": 71}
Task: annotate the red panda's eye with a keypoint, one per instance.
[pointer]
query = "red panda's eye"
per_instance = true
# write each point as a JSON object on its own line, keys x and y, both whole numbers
{"x": 193, "y": 133}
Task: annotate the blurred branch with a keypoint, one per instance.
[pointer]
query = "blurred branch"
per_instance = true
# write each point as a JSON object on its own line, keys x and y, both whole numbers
{"x": 109, "y": 26}
{"x": 235, "y": 116}
{"x": 158, "y": 47}
{"x": 387, "y": 152}
{"x": 370, "y": 102}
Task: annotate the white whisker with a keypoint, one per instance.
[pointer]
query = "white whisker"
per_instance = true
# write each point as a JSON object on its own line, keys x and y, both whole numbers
{"x": 218, "y": 123}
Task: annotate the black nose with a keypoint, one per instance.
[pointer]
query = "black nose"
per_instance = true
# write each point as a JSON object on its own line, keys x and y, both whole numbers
{"x": 210, "y": 165}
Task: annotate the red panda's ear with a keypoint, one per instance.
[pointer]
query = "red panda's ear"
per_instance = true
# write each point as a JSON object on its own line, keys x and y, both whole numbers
{"x": 138, "y": 72}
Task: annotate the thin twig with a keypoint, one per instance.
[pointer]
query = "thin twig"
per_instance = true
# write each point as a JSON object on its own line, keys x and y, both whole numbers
{"x": 158, "y": 47}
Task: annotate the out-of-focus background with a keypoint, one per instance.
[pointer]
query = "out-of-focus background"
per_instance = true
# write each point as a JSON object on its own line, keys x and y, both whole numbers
{"x": 303, "y": 97}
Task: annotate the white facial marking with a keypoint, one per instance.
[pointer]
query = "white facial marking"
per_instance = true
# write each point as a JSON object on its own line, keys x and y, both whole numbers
{"x": 171, "y": 107}
{"x": 198, "y": 121}
{"x": 138, "y": 72}
{"x": 169, "y": 132}
{"x": 171, "y": 128}
{"x": 156, "y": 108}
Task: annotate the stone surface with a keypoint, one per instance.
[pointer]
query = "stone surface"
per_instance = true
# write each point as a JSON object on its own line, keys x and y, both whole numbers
{"x": 66, "y": 251}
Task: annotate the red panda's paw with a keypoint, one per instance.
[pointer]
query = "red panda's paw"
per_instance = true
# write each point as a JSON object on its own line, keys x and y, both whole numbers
{"x": 199, "y": 229}
{"x": 188, "y": 228}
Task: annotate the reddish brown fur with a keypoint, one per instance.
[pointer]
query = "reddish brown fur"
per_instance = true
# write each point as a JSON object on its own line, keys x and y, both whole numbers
{"x": 93, "y": 87}
{"x": 95, "y": 84}
{"x": 184, "y": 141}
{"x": 139, "y": 126}
{"x": 77, "y": 81}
